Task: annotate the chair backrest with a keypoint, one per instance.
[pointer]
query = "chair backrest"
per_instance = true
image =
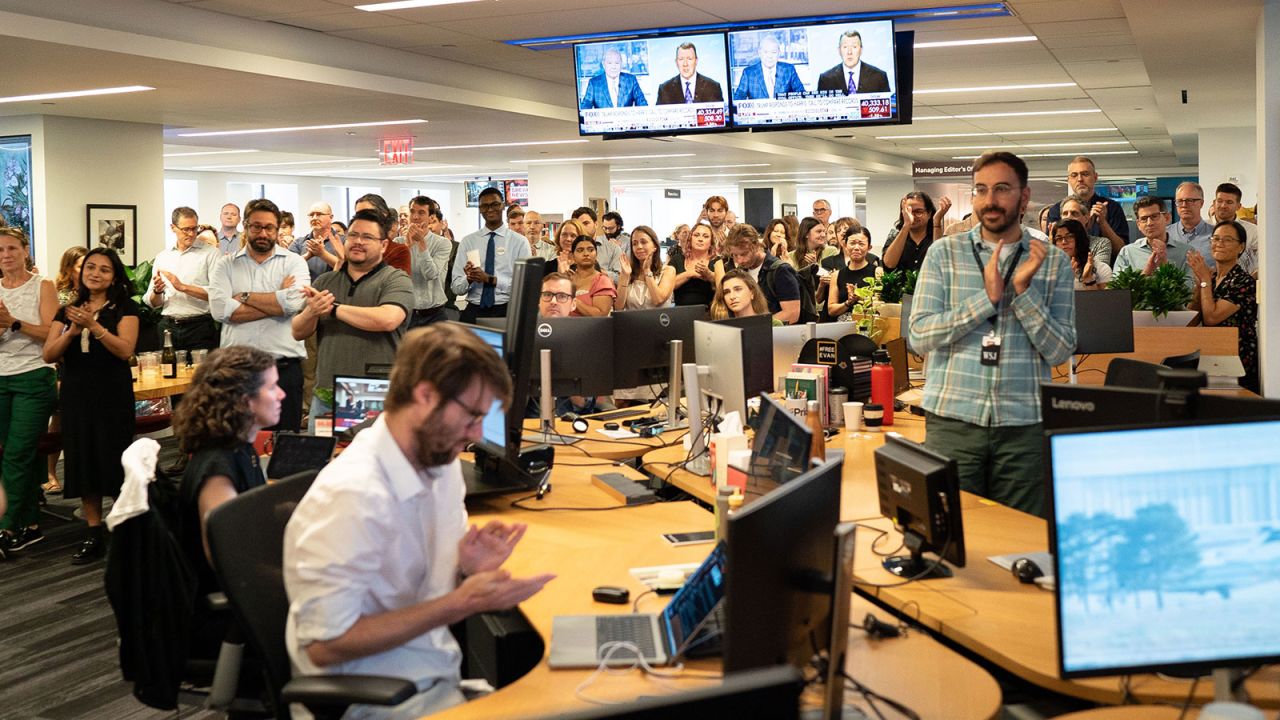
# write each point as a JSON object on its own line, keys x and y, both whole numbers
{"x": 1190, "y": 361}
{"x": 246, "y": 540}
{"x": 1124, "y": 372}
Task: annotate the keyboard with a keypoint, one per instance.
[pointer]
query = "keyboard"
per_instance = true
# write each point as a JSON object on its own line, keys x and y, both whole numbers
{"x": 619, "y": 414}
{"x": 635, "y": 629}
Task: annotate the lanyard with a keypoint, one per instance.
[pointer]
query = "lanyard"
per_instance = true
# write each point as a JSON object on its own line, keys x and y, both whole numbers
{"x": 1008, "y": 274}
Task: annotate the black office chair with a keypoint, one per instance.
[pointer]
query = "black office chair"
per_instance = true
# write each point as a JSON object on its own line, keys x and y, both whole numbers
{"x": 246, "y": 539}
{"x": 1190, "y": 361}
{"x": 1124, "y": 372}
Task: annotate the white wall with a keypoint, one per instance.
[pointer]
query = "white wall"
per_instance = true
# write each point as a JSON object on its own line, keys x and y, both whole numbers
{"x": 648, "y": 206}
{"x": 1221, "y": 152}
{"x": 884, "y": 203}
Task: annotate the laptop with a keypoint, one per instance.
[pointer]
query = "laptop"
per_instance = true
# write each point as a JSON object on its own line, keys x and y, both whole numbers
{"x": 581, "y": 641}
{"x": 357, "y": 400}
{"x": 293, "y": 453}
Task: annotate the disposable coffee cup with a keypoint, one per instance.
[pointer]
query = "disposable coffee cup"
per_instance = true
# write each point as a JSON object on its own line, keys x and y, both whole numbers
{"x": 852, "y": 416}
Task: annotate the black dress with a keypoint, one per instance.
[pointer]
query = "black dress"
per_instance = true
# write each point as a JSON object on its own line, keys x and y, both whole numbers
{"x": 240, "y": 465}
{"x": 97, "y": 409}
{"x": 695, "y": 291}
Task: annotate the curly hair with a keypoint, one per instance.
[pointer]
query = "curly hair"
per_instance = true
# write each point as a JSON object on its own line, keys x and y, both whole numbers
{"x": 215, "y": 412}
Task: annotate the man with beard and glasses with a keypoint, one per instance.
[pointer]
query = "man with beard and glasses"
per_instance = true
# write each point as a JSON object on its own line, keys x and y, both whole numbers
{"x": 378, "y": 557}
{"x": 255, "y": 293}
{"x": 994, "y": 311}
{"x": 358, "y": 312}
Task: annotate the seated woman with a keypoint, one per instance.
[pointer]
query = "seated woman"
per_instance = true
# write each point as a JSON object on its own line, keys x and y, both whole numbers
{"x": 233, "y": 395}
{"x": 1229, "y": 295}
{"x": 1070, "y": 237}
{"x": 594, "y": 292}
{"x": 738, "y": 296}
{"x": 858, "y": 267}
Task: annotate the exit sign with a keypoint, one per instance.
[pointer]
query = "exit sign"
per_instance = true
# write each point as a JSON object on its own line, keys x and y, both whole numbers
{"x": 396, "y": 150}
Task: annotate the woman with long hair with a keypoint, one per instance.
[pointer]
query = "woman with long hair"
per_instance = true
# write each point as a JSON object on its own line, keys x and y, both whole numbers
{"x": 94, "y": 337}
{"x": 738, "y": 296}
{"x": 814, "y": 280}
{"x": 233, "y": 395}
{"x": 27, "y": 388}
{"x": 594, "y": 292}
{"x": 695, "y": 268}
{"x": 1071, "y": 238}
{"x": 913, "y": 233}
{"x": 644, "y": 281}
{"x": 562, "y": 262}
{"x": 68, "y": 281}
{"x": 780, "y": 240}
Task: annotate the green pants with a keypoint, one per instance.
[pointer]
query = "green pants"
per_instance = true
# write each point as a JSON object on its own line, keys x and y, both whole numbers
{"x": 26, "y": 401}
{"x": 1005, "y": 464}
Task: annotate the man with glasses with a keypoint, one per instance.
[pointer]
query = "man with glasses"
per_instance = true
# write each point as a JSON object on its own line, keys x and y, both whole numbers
{"x": 1082, "y": 178}
{"x": 490, "y": 259}
{"x": 1156, "y": 247}
{"x": 1191, "y": 230}
{"x": 320, "y": 248}
{"x": 1226, "y": 204}
{"x": 180, "y": 286}
{"x": 994, "y": 312}
{"x": 255, "y": 293}
{"x": 358, "y": 312}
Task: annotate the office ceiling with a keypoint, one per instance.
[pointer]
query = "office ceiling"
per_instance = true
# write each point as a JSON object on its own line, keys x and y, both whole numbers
{"x": 223, "y": 65}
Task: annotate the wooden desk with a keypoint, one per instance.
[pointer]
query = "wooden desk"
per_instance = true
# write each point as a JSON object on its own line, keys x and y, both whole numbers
{"x": 594, "y": 445}
{"x": 1154, "y": 344}
{"x": 156, "y": 387}
{"x": 587, "y": 549}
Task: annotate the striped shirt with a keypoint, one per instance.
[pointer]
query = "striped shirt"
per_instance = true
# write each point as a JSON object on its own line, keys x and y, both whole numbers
{"x": 950, "y": 314}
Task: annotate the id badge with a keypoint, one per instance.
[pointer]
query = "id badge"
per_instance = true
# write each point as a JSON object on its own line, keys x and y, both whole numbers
{"x": 991, "y": 349}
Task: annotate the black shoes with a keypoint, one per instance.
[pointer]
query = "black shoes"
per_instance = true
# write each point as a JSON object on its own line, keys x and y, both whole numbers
{"x": 93, "y": 548}
{"x": 11, "y": 541}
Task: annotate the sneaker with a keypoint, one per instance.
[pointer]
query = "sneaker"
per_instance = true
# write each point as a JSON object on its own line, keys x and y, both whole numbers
{"x": 93, "y": 548}
{"x": 24, "y": 537}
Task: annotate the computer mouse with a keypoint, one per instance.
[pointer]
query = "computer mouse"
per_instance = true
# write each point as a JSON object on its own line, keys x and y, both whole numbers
{"x": 611, "y": 426}
{"x": 1026, "y": 570}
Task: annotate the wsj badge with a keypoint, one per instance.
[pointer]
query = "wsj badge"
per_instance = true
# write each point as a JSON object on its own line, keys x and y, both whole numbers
{"x": 991, "y": 349}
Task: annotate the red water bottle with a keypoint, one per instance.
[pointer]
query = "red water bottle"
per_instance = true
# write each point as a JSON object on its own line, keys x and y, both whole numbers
{"x": 882, "y": 383}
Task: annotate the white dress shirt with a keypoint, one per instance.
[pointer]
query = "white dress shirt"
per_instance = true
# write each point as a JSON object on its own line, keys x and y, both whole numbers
{"x": 193, "y": 266}
{"x": 373, "y": 535}
{"x": 240, "y": 273}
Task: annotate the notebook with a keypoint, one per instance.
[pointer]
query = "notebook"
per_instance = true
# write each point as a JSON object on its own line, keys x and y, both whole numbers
{"x": 580, "y": 640}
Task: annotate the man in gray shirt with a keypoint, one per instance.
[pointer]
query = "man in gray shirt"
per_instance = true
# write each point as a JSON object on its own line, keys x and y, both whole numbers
{"x": 429, "y": 259}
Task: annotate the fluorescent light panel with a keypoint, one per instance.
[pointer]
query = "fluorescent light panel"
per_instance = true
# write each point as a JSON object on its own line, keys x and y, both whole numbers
{"x": 1048, "y": 155}
{"x": 1027, "y": 145}
{"x": 208, "y": 152}
{"x": 688, "y": 167}
{"x": 302, "y": 128}
{"x": 936, "y": 136}
{"x": 502, "y": 144}
{"x": 278, "y": 164}
{"x": 994, "y": 88}
{"x": 76, "y": 94}
{"x": 732, "y": 175}
{"x": 1025, "y": 113}
{"x": 595, "y": 159}
{"x": 979, "y": 41}
{"x": 407, "y": 4}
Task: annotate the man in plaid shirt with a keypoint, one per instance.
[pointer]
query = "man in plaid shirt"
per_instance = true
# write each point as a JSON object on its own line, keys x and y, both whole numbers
{"x": 994, "y": 310}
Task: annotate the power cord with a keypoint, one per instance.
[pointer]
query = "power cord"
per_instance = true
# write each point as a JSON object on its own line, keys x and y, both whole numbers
{"x": 609, "y": 650}
{"x": 871, "y": 696}
{"x": 922, "y": 574}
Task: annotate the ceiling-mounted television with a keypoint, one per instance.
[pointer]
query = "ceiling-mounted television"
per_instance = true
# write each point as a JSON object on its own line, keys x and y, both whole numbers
{"x": 655, "y": 86}
{"x": 816, "y": 75}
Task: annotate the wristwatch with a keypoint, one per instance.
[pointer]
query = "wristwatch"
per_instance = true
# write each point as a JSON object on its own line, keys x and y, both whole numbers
{"x": 16, "y": 326}
{"x": 1204, "y": 283}
{"x": 333, "y": 312}
{"x": 244, "y": 298}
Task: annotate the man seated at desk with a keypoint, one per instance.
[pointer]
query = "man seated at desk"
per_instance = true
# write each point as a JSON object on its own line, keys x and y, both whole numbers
{"x": 378, "y": 558}
{"x": 556, "y": 301}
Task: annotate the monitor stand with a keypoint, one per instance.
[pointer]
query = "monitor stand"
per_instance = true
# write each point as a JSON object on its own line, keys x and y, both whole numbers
{"x": 914, "y": 566}
{"x": 676, "y": 365}
{"x": 546, "y": 433}
{"x": 700, "y": 459}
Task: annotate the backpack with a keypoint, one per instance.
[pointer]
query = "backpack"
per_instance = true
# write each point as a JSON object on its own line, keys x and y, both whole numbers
{"x": 808, "y": 308}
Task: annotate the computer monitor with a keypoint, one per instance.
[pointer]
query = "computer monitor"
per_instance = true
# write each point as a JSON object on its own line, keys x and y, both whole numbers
{"x": 1064, "y": 406}
{"x": 521, "y": 357}
{"x": 494, "y": 435}
{"x": 357, "y": 399}
{"x": 1166, "y": 546}
{"x": 897, "y": 348}
{"x": 738, "y": 352}
{"x": 1104, "y": 322}
{"x": 781, "y": 449}
{"x": 641, "y": 343}
{"x": 778, "y": 580}
{"x": 770, "y": 693}
{"x": 920, "y": 492}
{"x": 582, "y": 359}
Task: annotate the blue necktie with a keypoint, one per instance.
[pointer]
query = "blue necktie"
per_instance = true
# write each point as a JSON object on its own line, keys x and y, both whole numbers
{"x": 486, "y": 294}
{"x": 853, "y": 87}
{"x": 688, "y": 93}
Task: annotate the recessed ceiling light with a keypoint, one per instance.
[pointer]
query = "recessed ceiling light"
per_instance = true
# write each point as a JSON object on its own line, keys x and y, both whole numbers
{"x": 595, "y": 159}
{"x": 301, "y": 128}
{"x": 1027, "y": 145}
{"x": 501, "y": 144}
{"x": 994, "y": 88}
{"x": 208, "y": 152}
{"x": 980, "y": 41}
{"x": 393, "y": 168}
{"x": 407, "y": 4}
{"x": 75, "y": 93}
{"x": 687, "y": 167}
{"x": 291, "y": 162}
{"x": 993, "y": 134}
{"x": 1047, "y": 155}
{"x": 1025, "y": 113}
{"x": 728, "y": 175}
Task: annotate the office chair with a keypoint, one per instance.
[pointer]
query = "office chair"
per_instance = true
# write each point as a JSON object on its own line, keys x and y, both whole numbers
{"x": 1124, "y": 372}
{"x": 246, "y": 539}
{"x": 1190, "y": 361}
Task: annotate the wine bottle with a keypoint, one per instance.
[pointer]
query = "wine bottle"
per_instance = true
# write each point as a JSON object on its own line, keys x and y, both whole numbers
{"x": 133, "y": 368}
{"x": 168, "y": 358}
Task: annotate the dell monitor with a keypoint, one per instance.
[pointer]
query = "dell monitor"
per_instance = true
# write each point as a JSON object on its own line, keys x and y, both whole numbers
{"x": 920, "y": 492}
{"x": 521, "y": 357}
{"x": 1165, "y": 541}
{"x": 582, "y": 359}
{"x": 778, "y": 579}
{"x": 642, "y": 342}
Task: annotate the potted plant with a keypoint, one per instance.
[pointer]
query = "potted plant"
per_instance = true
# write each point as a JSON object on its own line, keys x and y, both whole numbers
{"x": 868, "y": 308}
{"x": 1159, "y": 298}
{"x": 897, "y": 284}
{"x": 148, "y": 317}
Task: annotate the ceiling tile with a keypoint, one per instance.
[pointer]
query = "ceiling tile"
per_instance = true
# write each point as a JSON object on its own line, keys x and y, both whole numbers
{"x": 338, "y": 21}
{"x": 402, "y": 35}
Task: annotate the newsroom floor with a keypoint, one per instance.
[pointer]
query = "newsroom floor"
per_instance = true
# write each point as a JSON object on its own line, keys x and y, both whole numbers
{"x": 58, "y": 656}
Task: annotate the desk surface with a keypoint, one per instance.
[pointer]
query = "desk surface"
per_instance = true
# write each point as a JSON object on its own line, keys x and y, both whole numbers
{"x": 587, "y": 549}
{"x": 592, "y": 444}
{"x": 983, "y": 608}
{"x": 153, "y": 386}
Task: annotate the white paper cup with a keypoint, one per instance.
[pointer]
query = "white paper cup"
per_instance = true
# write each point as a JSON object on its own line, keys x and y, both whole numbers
{"x": 473, "y": 257}
{"x": 852, "y": 416}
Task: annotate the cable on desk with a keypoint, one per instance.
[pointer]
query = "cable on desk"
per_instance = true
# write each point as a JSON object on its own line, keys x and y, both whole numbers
{"x": 635, "y": 606}
{"x": 923, "y": 573}
{"x": 871, "y": 696}
{"x": 1191, "y": 694}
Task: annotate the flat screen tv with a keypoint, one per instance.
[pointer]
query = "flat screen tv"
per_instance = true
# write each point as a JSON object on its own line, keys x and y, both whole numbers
{"x": 808, "y": 75}
{"x": 474, "y": 187}
{"x": 662, "y": 85}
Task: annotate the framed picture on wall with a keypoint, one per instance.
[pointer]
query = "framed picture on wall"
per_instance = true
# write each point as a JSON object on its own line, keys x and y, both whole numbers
{"x": 115, "y": 227}
{"x": 790, "y": 209}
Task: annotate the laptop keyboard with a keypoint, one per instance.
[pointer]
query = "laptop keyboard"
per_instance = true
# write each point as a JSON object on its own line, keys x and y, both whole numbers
{"x": 636, "y": 629}
{"x": 619, "y": 414}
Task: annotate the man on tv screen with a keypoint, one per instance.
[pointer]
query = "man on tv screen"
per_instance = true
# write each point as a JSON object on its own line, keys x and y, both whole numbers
{"x": 689, "y": 86}
{"x": 612, "y": 87}
{"x": 852, "y": 76}
{"x": 766, "y": 77}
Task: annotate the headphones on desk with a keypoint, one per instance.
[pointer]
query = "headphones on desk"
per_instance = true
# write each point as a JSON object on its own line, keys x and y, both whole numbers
{"x": 579, "y": 425}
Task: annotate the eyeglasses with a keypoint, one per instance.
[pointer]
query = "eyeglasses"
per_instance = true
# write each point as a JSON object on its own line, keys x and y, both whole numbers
{"x": 490, "y": 205}
{"x": 477, "y": 416}
{"x": 187, "y": 230}
{"x": 1222, "y": 240}
{"x": 364, "y": 238}
{"x": 1145, "y": 219}
{"x": 548, "y": 296}
{"x": 259, "y": 228}
{"x": 319, "y": 214}
{"x": 1001, "y": 189}
{"x": 1063, "y": 238}
{"x": 1188, "y": 201}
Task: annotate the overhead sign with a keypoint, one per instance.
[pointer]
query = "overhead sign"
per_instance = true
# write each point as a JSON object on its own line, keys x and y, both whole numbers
{"x": 671, "y": 193}
{"x": 931, "y": 169}
{"x": 396, "y": 150}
